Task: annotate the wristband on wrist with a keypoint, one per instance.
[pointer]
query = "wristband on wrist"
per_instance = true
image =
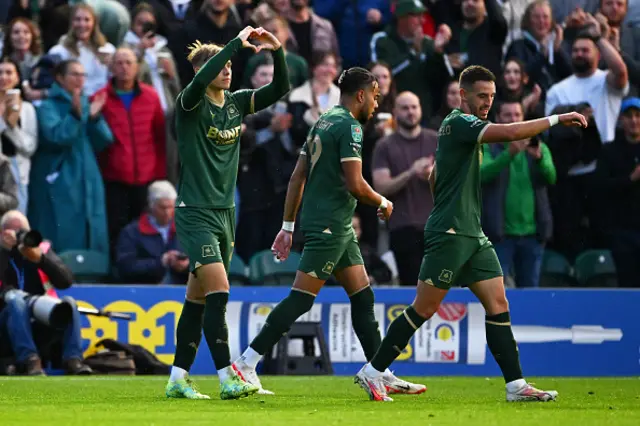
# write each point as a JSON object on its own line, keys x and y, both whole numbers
{"x": 553, "y": 120}
{"x": 383, "y": 203}
{"x": 288, "y": 226}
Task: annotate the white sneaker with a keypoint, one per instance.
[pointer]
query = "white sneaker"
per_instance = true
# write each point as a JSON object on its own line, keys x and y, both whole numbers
{"x": 373, "y": 386}
{"x": 249, "y": 375}
{"x": 529, "y": 393}
{"x": 394, "y": 384}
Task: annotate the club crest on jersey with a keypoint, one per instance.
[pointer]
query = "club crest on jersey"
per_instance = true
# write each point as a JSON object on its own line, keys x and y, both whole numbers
{"x": 208, "y": 251}
{"x": 356, "y": 133}
{"x": 232, "y": 111}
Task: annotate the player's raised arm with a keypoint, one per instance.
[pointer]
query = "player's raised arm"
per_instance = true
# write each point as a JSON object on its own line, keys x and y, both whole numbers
{"x": 499, "y": 133}
{"x": 208, "y": 70}
{"x": 279, "y": 86}
{"x": 477, "y": 92}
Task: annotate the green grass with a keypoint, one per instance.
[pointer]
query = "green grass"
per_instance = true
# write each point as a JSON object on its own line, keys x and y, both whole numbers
{"x": 305, "y": 401}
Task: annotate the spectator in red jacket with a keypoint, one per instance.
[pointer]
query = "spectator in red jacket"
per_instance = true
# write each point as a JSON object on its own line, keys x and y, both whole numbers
{"x": 137, "y": 156}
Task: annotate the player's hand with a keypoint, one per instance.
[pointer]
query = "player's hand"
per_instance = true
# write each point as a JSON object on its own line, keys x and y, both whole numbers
{"x": 245, "y": 35}
{"x": 386, "y": 213}
{"x": 265, "y": 40}
{"x": 282, "y": 244}
{"x": 572, "y": 119}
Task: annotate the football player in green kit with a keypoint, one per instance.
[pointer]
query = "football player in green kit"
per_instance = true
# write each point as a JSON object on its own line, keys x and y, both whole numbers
{"x": 208, "y": 125}
{"x": 329, "y": 172}
{"x": 457, "y": 253}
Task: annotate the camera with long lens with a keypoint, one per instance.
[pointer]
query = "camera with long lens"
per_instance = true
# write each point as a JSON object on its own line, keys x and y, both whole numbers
{"x": 28, "y": 238}
{"x": 50, "y": 311}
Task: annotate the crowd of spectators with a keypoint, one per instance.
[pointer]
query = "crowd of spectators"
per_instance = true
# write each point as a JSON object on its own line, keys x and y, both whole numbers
{"x": 87, "y": 100}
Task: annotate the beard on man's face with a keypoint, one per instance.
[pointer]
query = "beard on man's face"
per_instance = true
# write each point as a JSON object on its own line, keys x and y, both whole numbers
{"x": 580, "y": 65}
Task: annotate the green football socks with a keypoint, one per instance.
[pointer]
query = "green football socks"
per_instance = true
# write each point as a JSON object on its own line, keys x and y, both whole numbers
{"x": 397, "y": 338}
{"x": 215, "y": 328}
{"x": 503, "y": 345}
{"x": 364, "y": 321}
{"x": 280, "y": 319}
{"x": 188, "y": 334}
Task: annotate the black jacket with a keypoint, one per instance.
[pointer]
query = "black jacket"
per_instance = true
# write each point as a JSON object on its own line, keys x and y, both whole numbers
{"x": 59, "y": 274}
{"x": 621, "y": 196}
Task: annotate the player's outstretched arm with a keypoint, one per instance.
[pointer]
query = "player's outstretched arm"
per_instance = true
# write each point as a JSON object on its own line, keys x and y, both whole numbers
{"x": 279, "y": 86}
{"x": 194, "y": 91}
{"x": 359, "y": 188}
{"x": 282, "y": 244}
{"x": 498, "y": 133}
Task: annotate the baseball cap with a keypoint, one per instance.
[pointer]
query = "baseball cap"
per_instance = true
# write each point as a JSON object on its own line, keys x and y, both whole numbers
{"x": 408, "y": 7}
{"x": 630, "y": 103}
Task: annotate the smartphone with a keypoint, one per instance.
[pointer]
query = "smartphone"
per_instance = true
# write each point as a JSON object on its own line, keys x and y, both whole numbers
{"x": 182, "y": 256}
{"x": 149, "y": 27}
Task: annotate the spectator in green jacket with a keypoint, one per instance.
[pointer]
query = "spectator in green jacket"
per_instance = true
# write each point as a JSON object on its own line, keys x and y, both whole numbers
{"x": 516, "y": 215}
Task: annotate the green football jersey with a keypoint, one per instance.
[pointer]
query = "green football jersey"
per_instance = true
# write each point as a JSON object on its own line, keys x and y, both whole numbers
{"x": 457, "y": 192}
{"x": 209, "y": 149}
{"x": 327, "y": 205}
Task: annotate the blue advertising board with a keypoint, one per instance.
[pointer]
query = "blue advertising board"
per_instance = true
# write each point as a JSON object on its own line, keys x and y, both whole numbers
{"x": 577, "y": 332}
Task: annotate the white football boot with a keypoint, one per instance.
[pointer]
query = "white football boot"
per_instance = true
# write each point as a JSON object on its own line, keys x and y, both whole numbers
{"x": 249, "y": 375}
{"x": 529, "y": 393}
{"x": 373, "y": 386}
{"x": 394, "y": 384}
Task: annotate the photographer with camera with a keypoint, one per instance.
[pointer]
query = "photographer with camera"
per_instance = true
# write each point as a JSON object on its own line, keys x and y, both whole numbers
{"x": 30, "y": 272}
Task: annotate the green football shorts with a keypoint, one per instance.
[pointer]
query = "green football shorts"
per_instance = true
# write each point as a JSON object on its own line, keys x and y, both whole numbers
{"x": 324, "y": 253}
{"x": 455, "y": 260}
{"x": 206, "y": 235}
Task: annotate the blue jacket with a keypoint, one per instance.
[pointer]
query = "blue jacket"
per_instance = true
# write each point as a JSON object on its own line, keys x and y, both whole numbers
{"x": 349, "y": 19}
{"x": 139, "y": 253}
{"x": 66, "y": 193}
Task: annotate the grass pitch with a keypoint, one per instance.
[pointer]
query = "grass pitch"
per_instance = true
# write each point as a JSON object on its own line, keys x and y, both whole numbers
{"x": 313, "y": 401}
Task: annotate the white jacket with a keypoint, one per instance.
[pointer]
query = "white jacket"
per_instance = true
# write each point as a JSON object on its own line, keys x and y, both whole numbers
{"x": 97, "y": 72}
{"x": 25, "y": 139}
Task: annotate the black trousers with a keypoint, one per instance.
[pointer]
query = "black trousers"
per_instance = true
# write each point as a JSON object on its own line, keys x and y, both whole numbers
{"x": 407, "y": 245}
{"x": 124, "y": 204}
{"x": 625, "y": 249}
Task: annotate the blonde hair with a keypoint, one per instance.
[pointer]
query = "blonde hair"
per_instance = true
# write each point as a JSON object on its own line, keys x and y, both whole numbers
{"x": 200, "y": 53}
{"x": 96, "y": 39}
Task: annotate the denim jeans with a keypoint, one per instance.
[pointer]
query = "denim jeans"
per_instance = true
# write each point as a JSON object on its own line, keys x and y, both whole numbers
{"x": 521, "y": 256}
{"x": 15, "y": 320}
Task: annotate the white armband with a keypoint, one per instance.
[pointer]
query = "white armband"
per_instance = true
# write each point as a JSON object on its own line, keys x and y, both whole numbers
{"x": 553, "y": 120}
{"x": 288, "y": 226}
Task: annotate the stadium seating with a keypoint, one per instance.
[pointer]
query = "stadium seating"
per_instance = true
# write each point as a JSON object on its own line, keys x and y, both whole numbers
{"x": 265, "y": 269}
{"x": 87, "y": 266}
{"x": 556, "y": 271}
{"x": 595, "y": 268}
{"x": 238, "y": 272}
